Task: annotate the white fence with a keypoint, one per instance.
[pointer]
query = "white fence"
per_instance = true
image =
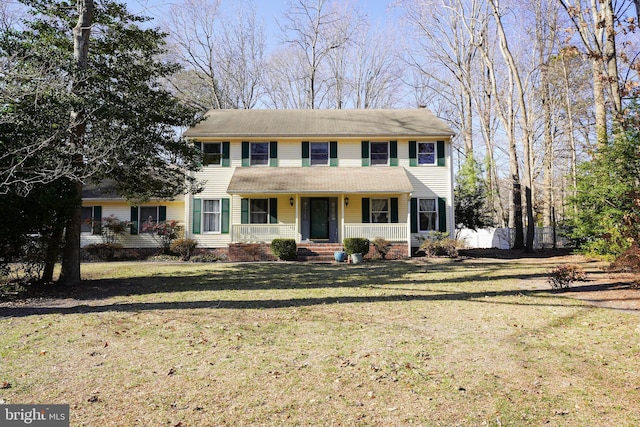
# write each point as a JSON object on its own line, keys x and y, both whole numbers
{"x": 502, "y": 238}
{"x": 389, "y": 232}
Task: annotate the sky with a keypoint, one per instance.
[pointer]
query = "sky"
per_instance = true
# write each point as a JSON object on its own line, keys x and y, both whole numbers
{"x": 378, "y": 12}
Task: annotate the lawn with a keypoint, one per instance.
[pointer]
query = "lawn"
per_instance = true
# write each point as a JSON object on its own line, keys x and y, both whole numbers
{"x": 473, "y": 342}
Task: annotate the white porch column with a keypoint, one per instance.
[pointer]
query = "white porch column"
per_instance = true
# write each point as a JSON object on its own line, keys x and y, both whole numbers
{"x": 298, "y": 233}
{"x": 409, "y": 225}
{"x": 342, "y": 209}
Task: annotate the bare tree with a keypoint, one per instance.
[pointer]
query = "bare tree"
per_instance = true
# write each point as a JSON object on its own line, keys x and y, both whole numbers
{"x": 285, "y": 80}
{"x": 445, "y": 53}
{"x": 597, "y": 34}
{"x": 314, "y": 28}
{"x": 241, "y": 57}
{"x": 375, "y": 74}
{"x": 523, "y": 115}
{"x": 192, "y": 29}
{"x": 546, "y": 16}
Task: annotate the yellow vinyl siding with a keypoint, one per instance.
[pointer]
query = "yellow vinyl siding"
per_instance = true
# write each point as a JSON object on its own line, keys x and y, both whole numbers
{"x": 122, "y": 210}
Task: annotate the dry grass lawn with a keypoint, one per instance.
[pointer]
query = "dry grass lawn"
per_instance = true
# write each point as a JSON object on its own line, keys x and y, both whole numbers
{"x": 473, "y": 342}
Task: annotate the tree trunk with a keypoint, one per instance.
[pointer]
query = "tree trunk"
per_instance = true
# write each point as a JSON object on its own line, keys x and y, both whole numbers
{"x": 572, "y": 140}
{"x": 70, "y": 273}
{"x": 599, "y": 102}
{"x": 548, "y": 149}
{"x": 526, "y": 137}
{"x": 612, "y": 64}
{"x": 515, "y": 219}
{"x": 51, "y": 255}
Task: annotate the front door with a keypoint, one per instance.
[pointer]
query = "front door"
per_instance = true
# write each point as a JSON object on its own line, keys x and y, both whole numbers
{"x": 319, "y": 210}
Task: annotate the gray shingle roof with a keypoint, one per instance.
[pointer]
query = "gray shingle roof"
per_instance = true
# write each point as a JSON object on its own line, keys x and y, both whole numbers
{"x": 263, "y": 180}
{"x": 418, "y": 122}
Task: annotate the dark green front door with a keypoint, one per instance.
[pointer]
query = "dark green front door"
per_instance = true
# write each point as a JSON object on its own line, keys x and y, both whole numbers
{"x": 319, "y": 218}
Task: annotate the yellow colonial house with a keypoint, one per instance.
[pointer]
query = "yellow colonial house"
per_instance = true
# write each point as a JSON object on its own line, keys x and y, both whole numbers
{"x": 316, "y": 176}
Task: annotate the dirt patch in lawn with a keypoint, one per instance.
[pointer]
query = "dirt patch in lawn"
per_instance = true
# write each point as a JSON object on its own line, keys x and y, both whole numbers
{"x": 602, "y": 288}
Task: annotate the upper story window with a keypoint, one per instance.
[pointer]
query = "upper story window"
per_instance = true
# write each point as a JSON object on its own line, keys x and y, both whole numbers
{"x": 379, "y": 153}
{"x": 259, "y": 153}
{"x": 212, "y": 153}
{"x": 379, "y": 210}
{"x": 426, "y": 153}
{"x": 319, "y": 153}
{"x": 428, "y": 215}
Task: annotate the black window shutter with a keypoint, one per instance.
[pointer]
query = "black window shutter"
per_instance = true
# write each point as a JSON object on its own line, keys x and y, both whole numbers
{"x": 197, "y": 215}
{"x": 162, "y": 213}
{"x": 365, "y": 153}
{"x": 134, "y": 220}
{"x": 414, "y": 215}
{"x": 244, "y": 211}
{"x": 440, "y": 150}
{"x": 225, "y": 154}
{"x": 366, "y": 214}
{"x": 394, "y": 210}
{"x": 245, "y": 153}
{"x": 305, "y": 153}
{"x": 442, "y": 214}
{"x": 393, "y": 153}
{"x": 273, "y": 211}
{"x": 224, "y": 225}
{"x": 273, "y": 153}
{"x": 413, "y": 153}
{"x": 96, "y": 226}
{"x": 333, "y": 153}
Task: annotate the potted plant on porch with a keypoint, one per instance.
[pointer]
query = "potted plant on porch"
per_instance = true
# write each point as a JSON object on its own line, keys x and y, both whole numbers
{"x": 356, "y": 248}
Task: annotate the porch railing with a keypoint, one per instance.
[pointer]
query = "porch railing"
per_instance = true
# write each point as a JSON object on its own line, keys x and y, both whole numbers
{"x": 246, "y": 233}
{"x": 389, "y": 232}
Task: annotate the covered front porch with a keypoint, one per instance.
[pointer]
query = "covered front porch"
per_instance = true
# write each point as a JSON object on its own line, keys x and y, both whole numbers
{"x": 321, "y": 204}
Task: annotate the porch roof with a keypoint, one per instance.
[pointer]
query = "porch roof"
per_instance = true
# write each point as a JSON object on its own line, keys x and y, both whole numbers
{"x": 265, "y": 180}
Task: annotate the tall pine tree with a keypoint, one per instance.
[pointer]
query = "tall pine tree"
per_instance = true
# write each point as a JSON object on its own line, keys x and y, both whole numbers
{"x": 101, "y": 72}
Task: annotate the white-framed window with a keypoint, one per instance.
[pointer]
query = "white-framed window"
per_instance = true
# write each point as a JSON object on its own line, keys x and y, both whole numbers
{"x": 427, "y": 215}
{"x": 211, "y": 216}
{"x": 380, "y": 210}
{"x": 319, "y": 153}
{"x": 379, "y": 153}
{"x": 427, "y": 153}
{"x": 259, "y": 211}
{"x": 259, "y": 153}
{"x": 87, "y": 219}
{"x": 211, "y": 153}
{"x": 148, "y": 218}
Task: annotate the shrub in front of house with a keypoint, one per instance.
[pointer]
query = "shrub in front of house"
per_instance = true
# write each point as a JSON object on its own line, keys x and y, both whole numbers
{"x": 356, "y": 245}
{"x": 438, "y": 243}
{"x": 106, "y": 252}
{"x": 284, "y": 249}
{"x": 183, "y": 247}
{"x": 382, "y": 246}
{"x": 205, "y": 257}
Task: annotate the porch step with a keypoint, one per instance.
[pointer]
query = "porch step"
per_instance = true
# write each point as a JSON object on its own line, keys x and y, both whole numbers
{"x": 321, "y": 252}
